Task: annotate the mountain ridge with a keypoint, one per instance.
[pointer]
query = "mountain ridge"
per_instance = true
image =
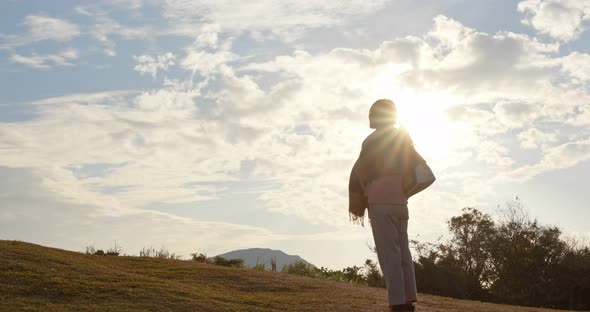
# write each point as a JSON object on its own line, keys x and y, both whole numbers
{"x": 252, "y": 256}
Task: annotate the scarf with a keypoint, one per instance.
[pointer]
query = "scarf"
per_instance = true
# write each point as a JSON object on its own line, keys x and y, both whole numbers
{"x": 386, "y": 151}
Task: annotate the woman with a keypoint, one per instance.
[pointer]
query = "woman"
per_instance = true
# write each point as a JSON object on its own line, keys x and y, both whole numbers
{"x": 376, "y": 183}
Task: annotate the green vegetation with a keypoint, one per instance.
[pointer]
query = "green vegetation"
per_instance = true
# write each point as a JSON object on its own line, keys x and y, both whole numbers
{"x": 259, "y": 266}
{"x": 232, "y": 263}
{"x": 161, "y": 253}
{"x": 369, "y": 275}
{"x": 511, "y": 260}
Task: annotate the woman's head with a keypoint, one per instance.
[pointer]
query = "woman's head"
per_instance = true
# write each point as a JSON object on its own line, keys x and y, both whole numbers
{"x": 382, "y": 114}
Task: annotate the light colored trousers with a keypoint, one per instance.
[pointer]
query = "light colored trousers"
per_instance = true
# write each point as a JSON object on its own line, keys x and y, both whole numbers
{"x": 389, "y": 224}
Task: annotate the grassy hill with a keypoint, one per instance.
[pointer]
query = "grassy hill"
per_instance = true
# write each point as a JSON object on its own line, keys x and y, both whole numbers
{"x": 38, "y": 278}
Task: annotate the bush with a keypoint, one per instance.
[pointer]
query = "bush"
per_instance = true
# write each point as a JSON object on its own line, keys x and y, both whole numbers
{"x": 199, "y": 257}
{"x": 373, "y": 276}
{"x": 233, "y": 263}
{"x": 162, "y": 253}
{"x": 353, "y": 275}
{"x": 368, "y": 275}
{"x": 299, "y": 268}
{"x": 114, "y": 251}
{"x": 259, "y": 266}
{"x": 90, "y": 250}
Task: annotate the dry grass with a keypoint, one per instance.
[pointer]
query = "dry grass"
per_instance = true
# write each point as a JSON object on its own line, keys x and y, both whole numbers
{"x": 37, "y": 278}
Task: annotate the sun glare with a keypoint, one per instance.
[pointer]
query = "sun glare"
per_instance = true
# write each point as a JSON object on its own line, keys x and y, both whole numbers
{"x": 422, "y": 113}
{"x": 429, "y": 127}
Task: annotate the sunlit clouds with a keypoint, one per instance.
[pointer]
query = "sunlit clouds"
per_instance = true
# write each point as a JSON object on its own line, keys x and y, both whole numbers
{"x": 217, "y": 125}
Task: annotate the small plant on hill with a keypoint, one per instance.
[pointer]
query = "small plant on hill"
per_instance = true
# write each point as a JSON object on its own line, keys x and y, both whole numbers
{"x": 300, "y": 268}
{"x": 90, "y": 250}
{"x": 234, "y": 263}
{"x": 199, "y": 257}
{"x": 147, "y": 252}
{"x": 373, "y": 275}
{"x": 353, "y": 275}
{"x": 261, "y": 266}
{"x": 114, "y": 251}
{"x": 162, "y": 253}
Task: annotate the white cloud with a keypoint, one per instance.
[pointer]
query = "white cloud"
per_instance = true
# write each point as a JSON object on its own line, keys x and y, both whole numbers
{"x": 151, "y": 65}
{"x": 499, "y": 81}
{"x": 183, "y": 131}
{"x": 516, "y": 114}
{"x": 99, "y": 8}
{"x": 563, "y": 156}
{"x": 208, "y": 36}
{"x": 40, "y": 28}
{"x": 474, "y": 65}
{"x": 535, "y": 138}
{"x": 205, "y": 62}
{"x": 86, "y": 98}
{"x": 563, "y": 20}
{"x": 28, "y": 205}
{"x": 105, "y": 28}
{"x": 577, "y": 65}
{"x": 492, "y": 153}
{"x": 127, "y": 4}
{"x": 43, "y": 27}
{"x": 582, "y": 117}
{"x": 62, "y": 58}
{"x": 284, "y": 18}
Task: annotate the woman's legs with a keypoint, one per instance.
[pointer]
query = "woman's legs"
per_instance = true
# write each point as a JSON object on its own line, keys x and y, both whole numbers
{"x": 407, "y": 263}
{"x": 389, "y": 224}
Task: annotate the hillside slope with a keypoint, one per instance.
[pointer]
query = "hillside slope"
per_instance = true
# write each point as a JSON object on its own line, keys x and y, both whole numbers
{"x": 37, "y": 278}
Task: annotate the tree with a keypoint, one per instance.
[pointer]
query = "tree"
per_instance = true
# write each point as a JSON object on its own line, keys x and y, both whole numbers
{"x": 525, "y": 256}
{"x": 373, "y": 276}
{"x": 472, "y": 234}
{"x": 514, "y": 260}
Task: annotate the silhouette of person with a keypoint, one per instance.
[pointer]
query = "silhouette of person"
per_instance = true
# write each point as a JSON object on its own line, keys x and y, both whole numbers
{"x": 376, "y": 183}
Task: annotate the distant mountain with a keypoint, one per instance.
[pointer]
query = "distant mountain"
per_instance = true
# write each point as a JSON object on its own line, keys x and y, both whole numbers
{"x": 263, "y": 255}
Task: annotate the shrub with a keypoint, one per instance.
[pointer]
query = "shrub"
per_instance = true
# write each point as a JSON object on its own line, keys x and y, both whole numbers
{"x": 162, "y": 253}
{"x": 199, "y": 257}
{"x": 114, "y": 251}
{"x": 234, "y": 263}
{"x": 90, "y": 250}
{"x": 353, "y": 275}
{"x": 373, "y": 275}
{"x": 299, "y": 268}
{"x": 259, "y": 266}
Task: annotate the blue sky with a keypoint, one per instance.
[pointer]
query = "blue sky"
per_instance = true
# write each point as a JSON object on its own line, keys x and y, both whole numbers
{"x": 211, "y": 126}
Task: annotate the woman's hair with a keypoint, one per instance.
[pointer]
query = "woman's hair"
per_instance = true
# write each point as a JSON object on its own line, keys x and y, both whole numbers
{"x": 384, "y": 107}
{"x": 383, "y": 111}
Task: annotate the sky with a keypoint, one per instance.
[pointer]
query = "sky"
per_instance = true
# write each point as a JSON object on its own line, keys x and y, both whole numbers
{"x": 210, "y": 126}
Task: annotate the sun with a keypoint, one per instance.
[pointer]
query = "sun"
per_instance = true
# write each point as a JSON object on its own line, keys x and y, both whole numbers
{"x": 428, "y": 126}
{"x": 422, "y": 113}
